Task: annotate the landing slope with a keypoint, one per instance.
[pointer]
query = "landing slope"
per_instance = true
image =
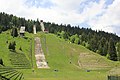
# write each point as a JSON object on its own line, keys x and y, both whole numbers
{"x": 69, "y": 61}
{"x": 62, "y": 52}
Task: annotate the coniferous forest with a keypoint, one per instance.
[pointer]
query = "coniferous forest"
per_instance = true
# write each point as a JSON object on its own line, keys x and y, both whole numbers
{"x": 103, "y": 43}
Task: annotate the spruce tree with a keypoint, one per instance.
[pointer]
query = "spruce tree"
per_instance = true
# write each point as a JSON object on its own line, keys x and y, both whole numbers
{"x": 102, "y": 48}
{"x": 118, "y": 51}
{"x": 14, "y": 32}
{"x": 112, "y": 50}
{"x": 77, "y": 40}
{"x": 12, "y": 45}
{"x": 72, "y": 39}
{"x": 1, "y": 61}
{"x": 0, "y": 29}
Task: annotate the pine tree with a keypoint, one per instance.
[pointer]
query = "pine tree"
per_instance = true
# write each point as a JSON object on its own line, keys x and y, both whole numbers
{"x": 112, "y": 50}
{"x": 1, "y": 61}
{"x": 77, "y": 40}
{"x": 93, "y": 43}
{"x": 102, "y": 48}
{"x": 20, "y": 48}
{"x": 72, "y": 39}
{"x": 118, "y": 51}
{"x": 64, "y": 35}
{"x": 0, "y": 29}
{"x": 12, "y": 46}
{"x": 14, "y": 32}
{"x": 38, "y": 27}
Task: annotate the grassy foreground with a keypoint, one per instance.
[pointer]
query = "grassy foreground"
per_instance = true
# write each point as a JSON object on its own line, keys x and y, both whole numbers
{"x": 72, "y": 62}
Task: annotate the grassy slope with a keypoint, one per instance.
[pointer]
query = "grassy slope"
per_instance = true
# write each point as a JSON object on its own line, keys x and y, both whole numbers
{"x": 4, "y": 51}
{"x": 59, "y": 53}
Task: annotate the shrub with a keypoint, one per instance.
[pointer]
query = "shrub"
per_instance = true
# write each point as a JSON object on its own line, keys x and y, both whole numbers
{"x": 12, "y": 45}
{"x": 1, "y": 61}
{"x": 14, "y": 32}
{"x": 20, "y": 48}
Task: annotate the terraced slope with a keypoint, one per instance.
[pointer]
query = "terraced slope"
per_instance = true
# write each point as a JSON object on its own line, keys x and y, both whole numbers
{"x": 19, "y": 60}
{"x": 7, "y": 73}
{"x": 6, "y": 55}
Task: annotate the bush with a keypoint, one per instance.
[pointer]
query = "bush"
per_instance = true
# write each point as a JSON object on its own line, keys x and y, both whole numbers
{"x": 14, "y": 32}
{"x": 20, "y": 48}
{"x": 0, "y": 29}
{"x": 1, "y": 61}
{"x": 12, "y": 45}
{"x": 77, "y": 40}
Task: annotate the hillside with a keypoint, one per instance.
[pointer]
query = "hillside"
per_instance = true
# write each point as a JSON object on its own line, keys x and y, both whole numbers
{"x": 103, "y": 43}
{"x": 64, "y": 56}
{"x": 67, "y": 61}
{"x": 72, "y": 53}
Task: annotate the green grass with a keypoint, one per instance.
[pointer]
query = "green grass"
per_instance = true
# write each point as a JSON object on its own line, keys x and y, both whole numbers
{"x": 20, "y": 42}
{"x": 59, "y": 53}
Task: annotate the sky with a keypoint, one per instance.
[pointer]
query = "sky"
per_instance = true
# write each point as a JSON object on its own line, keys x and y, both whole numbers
{"x": 95, "y": 14}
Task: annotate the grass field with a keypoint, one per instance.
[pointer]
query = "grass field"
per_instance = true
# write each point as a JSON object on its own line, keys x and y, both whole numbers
{"x": 5, "y": 39}
{"x": 72, "y": 62}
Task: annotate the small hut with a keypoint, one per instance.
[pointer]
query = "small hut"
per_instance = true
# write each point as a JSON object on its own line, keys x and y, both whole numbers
{"x": 22, "y": 31}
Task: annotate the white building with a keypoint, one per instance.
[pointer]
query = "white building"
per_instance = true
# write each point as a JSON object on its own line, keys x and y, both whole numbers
{"x": 22, "y": 31}
{"x": 42, "y": 25}
{"x": 34, "y": 29}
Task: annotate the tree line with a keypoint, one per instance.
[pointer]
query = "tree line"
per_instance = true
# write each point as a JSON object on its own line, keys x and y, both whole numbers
{"x": 103, "y": 43}
{"x": 8, "y": 21}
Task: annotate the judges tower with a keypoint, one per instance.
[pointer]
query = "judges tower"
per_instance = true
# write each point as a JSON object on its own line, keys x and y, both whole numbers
{"x": 34, "y": 29}
{"x": 42, "y": 25}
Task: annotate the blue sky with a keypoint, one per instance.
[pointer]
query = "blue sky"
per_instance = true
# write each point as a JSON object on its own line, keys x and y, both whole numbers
{"x": 96, "y": 14}
{"x": 39, "y": 3}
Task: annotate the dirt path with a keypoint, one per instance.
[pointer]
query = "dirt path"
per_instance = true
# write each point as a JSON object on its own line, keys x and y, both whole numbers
{"x": 40, "y": 57}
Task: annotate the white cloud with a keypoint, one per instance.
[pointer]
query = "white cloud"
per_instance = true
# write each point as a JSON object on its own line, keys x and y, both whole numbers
{"x": 109, "y": 19}
{"x": 67, "y": 5}
{"x": 92, "y": 10}
{"x": 68, "y": 12}
{"x": 64, "y": 11}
